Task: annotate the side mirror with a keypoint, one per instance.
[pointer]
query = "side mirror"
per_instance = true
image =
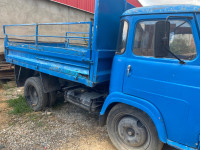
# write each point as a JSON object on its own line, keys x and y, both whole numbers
{"x": 161, "y": 43}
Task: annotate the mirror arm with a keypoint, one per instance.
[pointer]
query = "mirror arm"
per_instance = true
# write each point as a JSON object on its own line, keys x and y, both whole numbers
{"x": 166, "y": 33}
{"x": 180, "y": 61}
{"x": 183, "y": 17}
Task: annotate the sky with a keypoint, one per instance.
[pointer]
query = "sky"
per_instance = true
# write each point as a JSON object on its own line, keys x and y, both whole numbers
{"x": 162, "y": 2}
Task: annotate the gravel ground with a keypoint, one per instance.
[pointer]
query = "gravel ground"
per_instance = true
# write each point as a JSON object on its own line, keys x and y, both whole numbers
{"x": 67, "y": 127}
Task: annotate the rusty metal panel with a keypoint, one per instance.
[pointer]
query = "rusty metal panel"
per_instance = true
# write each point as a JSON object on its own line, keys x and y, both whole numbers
{"x": 89, "y": 5}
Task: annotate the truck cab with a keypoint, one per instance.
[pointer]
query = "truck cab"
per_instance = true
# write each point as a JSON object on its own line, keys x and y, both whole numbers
{"x": 156, "y": 69}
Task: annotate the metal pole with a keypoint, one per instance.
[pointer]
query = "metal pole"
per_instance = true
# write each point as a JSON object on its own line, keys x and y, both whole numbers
{"x": 36, "y": 34}
{"x": 90, "y": 36}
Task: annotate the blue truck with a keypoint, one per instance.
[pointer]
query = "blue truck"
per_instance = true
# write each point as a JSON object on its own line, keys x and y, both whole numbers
{"x": 139, "y": 70}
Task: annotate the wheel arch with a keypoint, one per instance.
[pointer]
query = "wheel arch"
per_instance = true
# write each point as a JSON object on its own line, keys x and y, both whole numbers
{"x": 22, "y": 74}
{"x": 49, "y": 83}
{"x": 147, "y": 107}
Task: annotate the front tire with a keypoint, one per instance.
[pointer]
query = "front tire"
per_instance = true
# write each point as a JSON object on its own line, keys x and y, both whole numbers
{"x": 131, "y": 129}
{"x": 33, "y": 92}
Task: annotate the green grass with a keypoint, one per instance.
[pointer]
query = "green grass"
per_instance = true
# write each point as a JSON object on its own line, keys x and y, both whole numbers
{"x": 34, "y": 117}
{"x": 6, "y": 86}
{"x": 19, "y": 106}
{"x": 40, "y": 124}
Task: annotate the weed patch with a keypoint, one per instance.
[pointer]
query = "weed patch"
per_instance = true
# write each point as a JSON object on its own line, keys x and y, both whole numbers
{"x": 18, "y": 106}
{"x": 34, "y": 117}
{"x": 6, "y": 86}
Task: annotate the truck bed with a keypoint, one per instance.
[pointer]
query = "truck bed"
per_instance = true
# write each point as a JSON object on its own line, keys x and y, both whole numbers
{"x": 61, "y": 59}
{"x": 87, "y": 64}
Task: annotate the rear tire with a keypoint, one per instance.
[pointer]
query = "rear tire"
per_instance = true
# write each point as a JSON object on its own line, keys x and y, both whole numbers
{"x": 132, "y": 129}
{"x": 51, "y": 98}
{"x": 33, "y": 92}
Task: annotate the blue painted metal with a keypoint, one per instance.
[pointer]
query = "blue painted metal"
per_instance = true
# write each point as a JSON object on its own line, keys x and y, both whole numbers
{"x": 172, "y": 88}
{"x": 166, "y": 90}
{"x": 163, "y": 10}
{"x": 106, "y": 28}
{"x": 91, "y": 64}
{"x": 150, "y": 109}
{"x": 58, "y": 23}
{"x": 69, "y": 62}
{"x": 179, "y": 146}
{"x": 36, "y": 34}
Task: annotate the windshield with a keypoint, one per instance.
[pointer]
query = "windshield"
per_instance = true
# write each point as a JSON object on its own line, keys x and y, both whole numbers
{"x": 181, "y": 41}
{"x": 122, "y": 37}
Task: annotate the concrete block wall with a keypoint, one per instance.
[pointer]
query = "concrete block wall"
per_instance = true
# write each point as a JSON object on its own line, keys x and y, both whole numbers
{"x": 39, "y": 11}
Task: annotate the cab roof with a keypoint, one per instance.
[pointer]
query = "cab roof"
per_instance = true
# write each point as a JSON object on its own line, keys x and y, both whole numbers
{"x": 162, "y": 9}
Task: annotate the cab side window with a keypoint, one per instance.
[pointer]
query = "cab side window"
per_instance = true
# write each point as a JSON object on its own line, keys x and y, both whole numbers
{"x": 123, "y": 35}
{"x": 144, "y": 39}
{"x": 181, "y": 40}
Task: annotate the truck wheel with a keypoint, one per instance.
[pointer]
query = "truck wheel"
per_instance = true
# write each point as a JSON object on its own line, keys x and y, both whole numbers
{"x": 132, "y": 129}
{"x": 51, "y": 98}
{"x": 33, "y": 92}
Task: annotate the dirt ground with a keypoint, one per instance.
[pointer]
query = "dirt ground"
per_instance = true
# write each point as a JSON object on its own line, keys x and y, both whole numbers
{"x": 67, "y": 127}
{"x": 3, "y": 112}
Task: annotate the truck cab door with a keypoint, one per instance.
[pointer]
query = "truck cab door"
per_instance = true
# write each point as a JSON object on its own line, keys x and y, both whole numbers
{"x": 172, "y": 87}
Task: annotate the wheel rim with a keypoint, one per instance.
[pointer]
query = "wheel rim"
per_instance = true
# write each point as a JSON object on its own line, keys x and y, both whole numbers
{"x": 132, "y": 132}
{"x": 32, "y": 96}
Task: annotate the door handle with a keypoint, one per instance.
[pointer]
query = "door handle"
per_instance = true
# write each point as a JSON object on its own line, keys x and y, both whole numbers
{"x": 128, "y": 70}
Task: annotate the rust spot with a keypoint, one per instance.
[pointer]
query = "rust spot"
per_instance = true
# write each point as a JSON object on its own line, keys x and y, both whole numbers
{"x": 86, "y": 76}
{"x": 158, "y": 8}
